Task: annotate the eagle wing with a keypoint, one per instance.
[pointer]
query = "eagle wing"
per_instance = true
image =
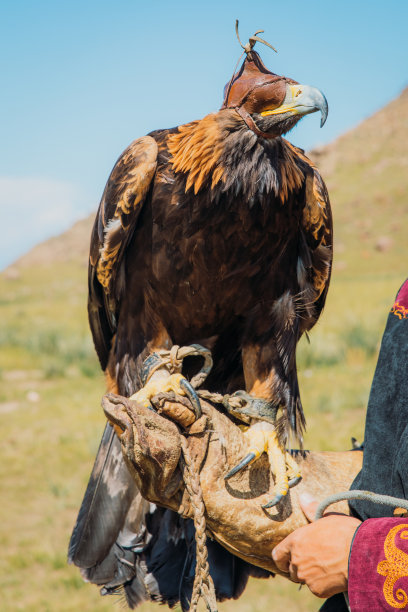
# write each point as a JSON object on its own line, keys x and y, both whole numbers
{"x": 115, "y": 223}
{"x": 297, "y": 312}
{"x": 112, "y": 499}
{"x": 119, "y": 539}
{"x": 317, "y": 227}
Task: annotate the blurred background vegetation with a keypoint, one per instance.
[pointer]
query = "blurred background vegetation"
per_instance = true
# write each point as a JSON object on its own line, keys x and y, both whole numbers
{"x": 51, "y": 384}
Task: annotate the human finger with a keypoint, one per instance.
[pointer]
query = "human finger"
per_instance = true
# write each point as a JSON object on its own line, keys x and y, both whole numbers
{"x": 293, "y": 573}
{"x": 281, "y": 554}
{"x": 309, "y": 505}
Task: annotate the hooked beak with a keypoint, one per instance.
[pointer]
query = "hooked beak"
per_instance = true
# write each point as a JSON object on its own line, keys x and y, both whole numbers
{"x": 301, "y": 100}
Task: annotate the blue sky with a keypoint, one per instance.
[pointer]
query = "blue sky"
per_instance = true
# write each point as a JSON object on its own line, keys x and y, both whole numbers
{"x": 82, "y": 79}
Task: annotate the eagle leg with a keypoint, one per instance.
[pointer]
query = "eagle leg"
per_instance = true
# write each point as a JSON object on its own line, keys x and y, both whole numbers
{"x": 262, "y": 437}
{"x": 163, "y": 382}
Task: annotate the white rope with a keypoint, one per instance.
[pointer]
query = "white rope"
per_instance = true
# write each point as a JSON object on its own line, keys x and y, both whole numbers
{"x": 376, "y": 498}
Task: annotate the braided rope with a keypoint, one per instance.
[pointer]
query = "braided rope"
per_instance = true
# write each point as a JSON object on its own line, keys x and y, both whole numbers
{"x": 173, "y": 360}
{"x": 203, "y": 583}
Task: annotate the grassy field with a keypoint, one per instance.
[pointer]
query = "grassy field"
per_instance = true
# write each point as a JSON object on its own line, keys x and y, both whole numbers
{"x": 49, "y": 400}
{"x": 51, "y": 384}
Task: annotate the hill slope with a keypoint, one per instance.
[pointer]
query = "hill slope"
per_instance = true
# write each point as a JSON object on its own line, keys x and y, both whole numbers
{"x": 51, "y": 384}
{"x": 71, "y": 246}
{"x": 366, "y": 171}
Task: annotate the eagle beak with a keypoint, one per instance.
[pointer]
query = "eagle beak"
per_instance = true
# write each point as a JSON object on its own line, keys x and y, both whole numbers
{"x": 301, "y": 100}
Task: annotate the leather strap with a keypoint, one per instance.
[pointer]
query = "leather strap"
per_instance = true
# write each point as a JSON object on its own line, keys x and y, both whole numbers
{"x": 251, "y": 123}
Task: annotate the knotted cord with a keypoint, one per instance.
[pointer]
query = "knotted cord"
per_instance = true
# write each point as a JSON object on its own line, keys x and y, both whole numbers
{"x": 247, "y": 48}
{"x": 203, "y": 583}
{"x": 172, "y": 360}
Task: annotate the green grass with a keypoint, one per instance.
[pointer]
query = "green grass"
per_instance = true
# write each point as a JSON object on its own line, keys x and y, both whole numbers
{"x": 50, "y": 402}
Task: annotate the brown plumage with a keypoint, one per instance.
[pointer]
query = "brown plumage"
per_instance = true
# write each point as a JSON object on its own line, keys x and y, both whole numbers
{"x": 207, "y": 233}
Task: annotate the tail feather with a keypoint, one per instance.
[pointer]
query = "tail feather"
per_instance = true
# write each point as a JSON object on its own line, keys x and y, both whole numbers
{"x": 132, "y": 548}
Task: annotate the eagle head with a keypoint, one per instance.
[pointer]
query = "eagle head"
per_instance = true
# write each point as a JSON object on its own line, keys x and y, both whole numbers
{"x": 270, "y": 104}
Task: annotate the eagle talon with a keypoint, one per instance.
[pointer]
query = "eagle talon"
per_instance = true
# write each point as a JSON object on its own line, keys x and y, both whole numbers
{"x": 245, "y": 461}
{"x": 294, "y": 481}
{"x": 262, "y": 438}
{"x": 174, "y": 382}
{"x": 192, "y": 396}
{"x": 274, "y": 502}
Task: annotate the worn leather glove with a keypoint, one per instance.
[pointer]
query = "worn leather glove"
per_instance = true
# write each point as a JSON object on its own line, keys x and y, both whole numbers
{"x": 151, "y": 444}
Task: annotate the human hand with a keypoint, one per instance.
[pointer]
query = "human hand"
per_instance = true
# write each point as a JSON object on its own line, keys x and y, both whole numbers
{"x": 317, "y": 554}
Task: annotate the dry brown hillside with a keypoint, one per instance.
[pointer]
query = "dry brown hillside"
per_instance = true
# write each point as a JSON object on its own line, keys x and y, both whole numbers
{"x": 72, "y": 245}
{"x": 366, "y": 171}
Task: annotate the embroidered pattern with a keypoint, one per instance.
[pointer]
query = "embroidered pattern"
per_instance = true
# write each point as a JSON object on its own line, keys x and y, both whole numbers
{"x": 400, "y": 311}
{"x": 394, "y": 567}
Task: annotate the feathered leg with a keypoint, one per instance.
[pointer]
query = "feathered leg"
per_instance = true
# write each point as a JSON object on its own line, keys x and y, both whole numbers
{"x": 271, "y": 380}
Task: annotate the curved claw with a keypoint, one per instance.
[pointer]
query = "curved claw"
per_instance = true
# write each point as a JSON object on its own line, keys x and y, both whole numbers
{"x": 293, "y": 481}
{"x": 192, "y": 396}
{"x": 245, "y": 461}
{"x": 151, "y": 363}
{"x": 274, "y": 502}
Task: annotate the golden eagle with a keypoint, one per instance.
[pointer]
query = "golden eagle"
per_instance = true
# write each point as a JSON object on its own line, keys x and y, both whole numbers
{"x": 217, "y": 232}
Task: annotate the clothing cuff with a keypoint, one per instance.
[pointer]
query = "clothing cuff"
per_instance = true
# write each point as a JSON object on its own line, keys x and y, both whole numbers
{"x": 378, "y": 566}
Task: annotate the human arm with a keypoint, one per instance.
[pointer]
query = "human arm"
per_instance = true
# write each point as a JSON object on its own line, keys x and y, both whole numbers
{"x": 339, "y": 553}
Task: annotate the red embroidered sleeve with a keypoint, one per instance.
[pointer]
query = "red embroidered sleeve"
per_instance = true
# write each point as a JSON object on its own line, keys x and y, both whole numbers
{"x": 378, "y": 566}
{"x": 400, "y": 307}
